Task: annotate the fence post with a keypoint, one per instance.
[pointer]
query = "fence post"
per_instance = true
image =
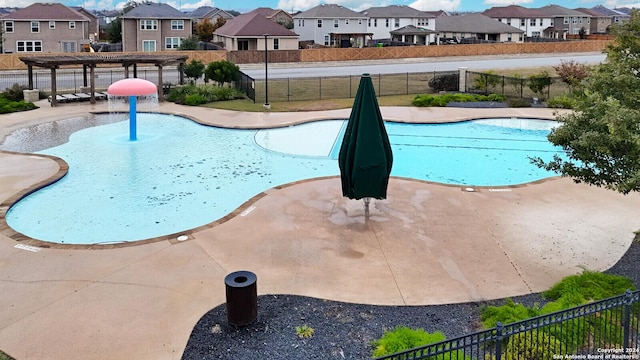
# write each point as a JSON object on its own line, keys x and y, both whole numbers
{"x": 627, "y": 318}
{"x": 462, "y": 79}
{"x": 499, "y": 337}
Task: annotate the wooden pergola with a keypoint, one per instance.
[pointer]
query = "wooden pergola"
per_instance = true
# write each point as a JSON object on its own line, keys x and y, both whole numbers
{"x": 91, "y": 60}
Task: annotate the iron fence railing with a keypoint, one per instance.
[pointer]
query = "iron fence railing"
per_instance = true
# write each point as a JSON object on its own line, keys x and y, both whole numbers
{"x": 605, "y": 329}
{"x": 246, "y": 84}
{"x": 340, "y": 87}
{"x": 542, "y": 87}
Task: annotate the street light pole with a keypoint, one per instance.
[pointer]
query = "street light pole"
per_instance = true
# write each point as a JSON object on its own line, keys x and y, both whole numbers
{"x": 266, "y": 77}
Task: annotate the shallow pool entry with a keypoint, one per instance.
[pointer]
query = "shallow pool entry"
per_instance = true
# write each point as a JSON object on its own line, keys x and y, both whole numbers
{"x": 179, "y": 175}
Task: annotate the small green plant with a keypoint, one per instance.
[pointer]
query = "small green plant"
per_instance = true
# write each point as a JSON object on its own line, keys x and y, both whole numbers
{"x": 507, "y": 313}
{"x": 403, "y": 338}
{"x": 14, "y": 93}
{"x": 487, "y": 82}
{"x": 588, "y": 286}
{"x": 194, "y": 99}
{"x": 561, "y": 102}
{"x": 532, "y": 345}
{"x": 518, "y": 103}
{"x": 426, "y": 100}
{"x": 304, "y": 331}
{"x": 444, "y": 82}
{"x": 540, "y": 83}
{"x": 9, "y": 106}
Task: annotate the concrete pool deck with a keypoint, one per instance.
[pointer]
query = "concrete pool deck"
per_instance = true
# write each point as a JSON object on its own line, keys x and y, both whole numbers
{"x": 426, "y": 244}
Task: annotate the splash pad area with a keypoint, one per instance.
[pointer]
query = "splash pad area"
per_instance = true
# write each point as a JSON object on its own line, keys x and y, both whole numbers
{"x": 130, "y": 91}
{"x": 119, "y": 190}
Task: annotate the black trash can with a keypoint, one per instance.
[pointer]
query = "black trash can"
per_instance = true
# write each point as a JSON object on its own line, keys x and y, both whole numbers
{"x": 242, "y": 297}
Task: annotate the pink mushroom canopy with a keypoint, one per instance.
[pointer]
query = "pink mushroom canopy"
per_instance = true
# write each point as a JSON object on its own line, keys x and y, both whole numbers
{"x": 132, "y": 87}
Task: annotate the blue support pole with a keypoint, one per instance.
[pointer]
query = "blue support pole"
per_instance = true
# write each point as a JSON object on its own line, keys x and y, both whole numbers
{"x": 132, "y": 118}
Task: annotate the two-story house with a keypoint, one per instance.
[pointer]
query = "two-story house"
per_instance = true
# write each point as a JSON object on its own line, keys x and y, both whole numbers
{"x": 332, "y": 25}
{"x": 599, "y": 23}
{"x": 251, "y": 31}
{"x": 565, "y": 21}
{"x": 617, "y": 16}
{"x": 478, "y": 27}
{"x": 381, "y": 21}
{"x": 531, "y": 21}
{"x": 44, "y": 27}
{"x": 279, "y": 16}
{"x": 93, "y": 25}
{"x": 210, "y": 13}
{"x": 154, "y": 27}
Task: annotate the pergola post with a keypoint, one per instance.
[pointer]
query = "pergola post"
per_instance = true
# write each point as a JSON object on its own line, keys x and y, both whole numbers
{"x": 92, "y": 81}
{"x": 181, "y": 73}
{"x": 126, "y": 71}
{"x": 84, "y": 75}
{"x": 30, "y": 72}
{"x": 54, "y": 88}
{"x": 160, "y": 84}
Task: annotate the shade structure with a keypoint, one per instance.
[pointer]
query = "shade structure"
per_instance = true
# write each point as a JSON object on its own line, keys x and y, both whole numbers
{"x": 365, "y": 154}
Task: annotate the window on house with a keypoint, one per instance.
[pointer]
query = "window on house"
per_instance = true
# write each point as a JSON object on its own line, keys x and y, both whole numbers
{"x": 35, "y": 26}
{"x": 29, "y": 46}
{"x": 566, "y": 20}
{"x": 300, "y": 23}
{"x": 177, "y": 24}
{"x": 375, "y": 22}
{"x": 396, "y": 23}
{"x": 508, "y": 21}
{"x": 149, "y": 45}
{"x": 574, "y": 20}
{"x": 243, "y": 44}
{"x": 149, "y": 25}
{"x": 68, "y": 46}
{"x": 276, "y": 44}
{"x": 336, "y": 23}
{"x": 346, "y": 21}
{"x": 523, "y": 22}
{"x": 72, "y": 25}
{"x": 8, "y": 26}
{"x": 326, "y": 40}
{"x": 532, "y": 22}
{"x": 319, "y": 23}
{"x": 359, "y": 21}
{"x": 172, "y": 42}
{"x": 535, "y": 34}
{"x": 52, "y": 25}
{"x": 386, "y": 22}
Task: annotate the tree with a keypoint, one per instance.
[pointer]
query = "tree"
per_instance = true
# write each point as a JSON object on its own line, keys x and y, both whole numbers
{"x": 601, "y": 137}
{"x": 539, "y": 83}
{"x": 204, "y": 30}
{"x": 572, "y": 72}
{"x": 287, "y": 23}
{"x": 114, "y": 30}
{"x": 190, "y": 43}
{"x": 194, "y": 70}
{"x": 222, "y": 71}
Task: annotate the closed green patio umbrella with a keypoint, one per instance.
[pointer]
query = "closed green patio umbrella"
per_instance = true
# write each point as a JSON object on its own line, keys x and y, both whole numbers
{"x": 365, "y": 154}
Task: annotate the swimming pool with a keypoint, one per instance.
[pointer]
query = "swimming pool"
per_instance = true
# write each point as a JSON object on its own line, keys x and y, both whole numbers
{"x": 181, "y": 175}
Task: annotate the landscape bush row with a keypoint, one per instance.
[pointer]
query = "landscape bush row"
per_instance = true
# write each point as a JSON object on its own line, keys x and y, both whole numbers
{"x": 542, "y": 343}
{"x": 12, "y": 100}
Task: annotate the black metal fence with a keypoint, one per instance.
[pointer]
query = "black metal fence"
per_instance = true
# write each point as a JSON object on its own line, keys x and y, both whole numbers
{"x": 605, "y": 329}
{"x": 341, "y": 87}
{"x": 536, "y": 86}
{"x": 71, "y": 80}
{"x": 246, "y": 84}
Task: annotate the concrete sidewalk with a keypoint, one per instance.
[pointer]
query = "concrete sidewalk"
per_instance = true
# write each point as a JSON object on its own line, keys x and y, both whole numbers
{"x": 426, "y": 244}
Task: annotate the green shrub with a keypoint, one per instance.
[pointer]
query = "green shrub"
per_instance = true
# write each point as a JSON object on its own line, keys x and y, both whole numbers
{"x": 8, "y": 106}
{"x": 561, "y": 102}
{"x": 507, "y": 313}
{"x": 518, "y": 103}
{"x": 588, "y": 286}
{"x": 496, "y": 97}
{"x": 427, "y": 100}
{"x": 487, "y": 81}
{"x": 532, "y": 345}
{"x": 194, "y": 99}
{"x": 403, "y": 338}
{"x": 445, "y": 82}
{"x": 14, "y": 93}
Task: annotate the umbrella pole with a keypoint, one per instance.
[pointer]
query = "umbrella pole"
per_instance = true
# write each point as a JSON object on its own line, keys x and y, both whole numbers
{"x": 367, "y": 200}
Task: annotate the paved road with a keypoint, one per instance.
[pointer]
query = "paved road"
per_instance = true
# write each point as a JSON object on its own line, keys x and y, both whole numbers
{"x": 400, "y": 66}
{"x": 72, "y": 79}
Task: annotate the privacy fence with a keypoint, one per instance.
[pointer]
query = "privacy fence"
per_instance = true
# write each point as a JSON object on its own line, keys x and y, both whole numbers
{"x": 341, "y": 87}
{"x": 606, "y": 329}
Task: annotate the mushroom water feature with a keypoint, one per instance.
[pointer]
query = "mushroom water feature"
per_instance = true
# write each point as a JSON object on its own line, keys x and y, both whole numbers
{"x": 132, "y": 88}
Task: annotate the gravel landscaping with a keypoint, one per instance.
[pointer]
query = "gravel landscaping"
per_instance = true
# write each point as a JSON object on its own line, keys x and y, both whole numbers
{"x": 342, "y": 330}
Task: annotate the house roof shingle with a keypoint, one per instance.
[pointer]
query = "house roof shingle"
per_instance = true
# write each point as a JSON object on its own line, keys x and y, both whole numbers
{"x": 332, "y": 11}
{"x": 513, "y": 11}
{"x": 557, "y": 10}
{"x": 411, "y": 30}
{"x": 252, "y": 25}
{"x": 155, "y": 11}
{"x": 395, "y": 11}
{"x": 46, "y": 11}
{"x": 473, "y": 23}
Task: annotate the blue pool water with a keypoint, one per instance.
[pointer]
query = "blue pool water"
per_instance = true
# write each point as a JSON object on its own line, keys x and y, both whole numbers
{"x": 181, "y": 175}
